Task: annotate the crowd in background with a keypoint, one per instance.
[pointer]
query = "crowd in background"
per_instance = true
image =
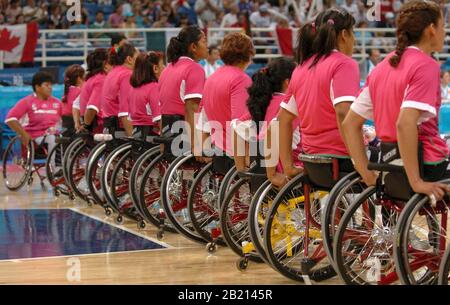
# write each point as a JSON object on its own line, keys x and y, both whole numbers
{"x": 51, "y": 14}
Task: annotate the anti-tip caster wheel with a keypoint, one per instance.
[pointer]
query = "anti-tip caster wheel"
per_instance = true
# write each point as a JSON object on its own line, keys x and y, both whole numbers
{"x": 71, "y": 196}
{"x": 90, "y": 203}
{"x": 56, "y": 192}
{"x": 30, "y": 181}
{"x": 119, "y": 220}
{"x": 160, "y": 234}
{"x": 242, "y": 264}
{"x": 211, "y": 247}
{"x": 141, "y": 224}
{"x": 108, "y": 212}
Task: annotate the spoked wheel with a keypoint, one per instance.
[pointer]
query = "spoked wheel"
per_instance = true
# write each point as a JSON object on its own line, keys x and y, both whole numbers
{"x": 364, "y": 242}
{"x": 444, "y": 271}
{"x": 70, "y": 150}
{"x": 421, "y": 240}
{"x": 292, "y": 235}
{"x": 234, "y": 218}
{"x": 257, "y": 215}
{"x": 228, "y": 181}
{"x": 95, "y": 164}
{"x": 17, "y": 164}
{"x": 77, "y": 171}
{"x": 341, "y": 196}
{"x": 139, "y": 167}
{"x": 174, "y": 194}
{"x": 107, "y": 172}
{"x": 150, "y": 194}
{"x": 203, "y": 204}
{"x": 54, "y": 170}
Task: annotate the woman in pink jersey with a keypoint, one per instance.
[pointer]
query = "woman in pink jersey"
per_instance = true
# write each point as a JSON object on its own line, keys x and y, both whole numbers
{"x": 144, "y": 95}
{"x": 116, "y": 89}
{"x": 321, "y": 90}
{"x": 181, "y": 83}
{"x": 97, "y": 68}
{"x": 42, "y": 109}
{"x": 225, "y": 94}
{"x": 73, "y": 81}
{"x": 265, "y": 96}
{"x": 402, "y": 97}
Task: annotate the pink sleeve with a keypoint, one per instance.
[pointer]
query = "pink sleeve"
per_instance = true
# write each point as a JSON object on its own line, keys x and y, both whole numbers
{"x": 19, "y": 110}
{"x": 124, "y": 92}
{"x": 154, "y": 104}
{"x": 94, "y": 101}
{"x": 345, "y": 82}
{"x": 422, "y": 91}
{"x": 239, "y": 97}
{"x": 194, "y": 83}
{"x": 289, "y": 103}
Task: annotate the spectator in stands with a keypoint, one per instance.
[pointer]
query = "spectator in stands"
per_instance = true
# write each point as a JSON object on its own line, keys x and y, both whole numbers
{"x": 261, "y": 18}
{"x": 163, "y": 21}
{"x": 31, "y": 11}
{"x": 230, "y": 19}
{"x": 56, "y": 16}
{"x": 126, "y": 8}
{"x": 352, "y": 7}
{"x": 2, "y": 19}
{"x": 245, "y": 6}
{"x": 116, "y": 19}
{"x": 13, "y": 11}
{"x": 130, "y": 23}
{"x": 187, "y": 8}
{"x": 183, "y": 21}
{"x": 445, "y": 89}
{"x": 20, "y": 19}
{"x": 138, "y": 15}
{"x": 212, "y": 62}
{"x": 369, "y": 64}
{"x": 207, "y": 10}
{"x": 117, "y": 40}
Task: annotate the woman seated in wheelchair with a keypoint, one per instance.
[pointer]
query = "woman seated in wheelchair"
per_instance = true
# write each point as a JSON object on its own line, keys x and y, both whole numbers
{"x": 43, "y": 112}
{"x": 320, "y": 92}
{"x": 73, "y": 81}
{"x": 225, "y": 93}
{"x": 402, "y": 97}
{"x": 265, "y": 96}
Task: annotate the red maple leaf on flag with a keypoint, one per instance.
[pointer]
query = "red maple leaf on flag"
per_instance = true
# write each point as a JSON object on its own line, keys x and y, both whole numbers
{"x": 8, "y": 42}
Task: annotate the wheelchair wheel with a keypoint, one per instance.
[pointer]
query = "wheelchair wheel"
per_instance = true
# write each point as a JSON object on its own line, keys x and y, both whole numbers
{"x": 175, "y": 186}
{"x": 234, "y": 218}
{"x": 292, "y": 235}
{"x": 54, "y": 170}
{"x": 107, "y": 171}
{"x": 150, "y": 193}
{"x": 444, "y": 271}
{"x": 17, "y": 164}
{"x": 136, "y": 177}
{"x": 70, "y": 150}
{"x": 257, "y": 215}
{"x": 341, "y": 196}
{"x": 77, "y": 172}
{"x": 203, "y": 204}
{"x": 421, "y": 236}
{"x": 94, "y": 169}
{"x": 228, "y": 181}
{"x": 364, "y": 241}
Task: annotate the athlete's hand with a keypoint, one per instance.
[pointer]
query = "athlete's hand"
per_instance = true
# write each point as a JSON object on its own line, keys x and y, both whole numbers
{"x": 278, "y": 180}
{"x": 369, "y": 177}
{"x": 25, "y": 138}
{"x": 434, "y": 190}
{"x": 293, "y": 171}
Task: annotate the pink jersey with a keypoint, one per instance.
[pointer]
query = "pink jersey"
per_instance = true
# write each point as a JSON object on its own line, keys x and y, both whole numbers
{"x": 314, "y": 93}
{"x": 144, "y": 105}
{"x": 115, "y": 92}
{"x": 415, "y": 83}
{"x": 72, "y": 95}
{"x": 41, "y": 114}
{"x": 225, "y": 99}
{"x": 94, "y": 100}
{"x": 179, "y": 82}
{"x": 92, "y": 86}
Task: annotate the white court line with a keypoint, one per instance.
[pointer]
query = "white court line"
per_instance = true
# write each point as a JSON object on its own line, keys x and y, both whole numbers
{"x": 123, "y": 228}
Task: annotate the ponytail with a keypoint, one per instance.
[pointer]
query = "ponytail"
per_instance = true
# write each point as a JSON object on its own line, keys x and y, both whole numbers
{"x": 305, "y": 39}
{"x": 179, "y": 46}
{"x": 118, "y": 55}
{"x": 96, "y": 62}
{"x": 71, "y": 76}
{"x": 266, "y": 82}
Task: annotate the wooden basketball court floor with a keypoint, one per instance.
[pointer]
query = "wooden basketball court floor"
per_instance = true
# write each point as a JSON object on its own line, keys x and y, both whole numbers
{"x": 43, "y": 238}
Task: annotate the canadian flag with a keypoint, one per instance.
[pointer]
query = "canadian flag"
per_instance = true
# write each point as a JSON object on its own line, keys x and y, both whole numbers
{"x": 287, "y": 40}
{"x": 18, "y": 42}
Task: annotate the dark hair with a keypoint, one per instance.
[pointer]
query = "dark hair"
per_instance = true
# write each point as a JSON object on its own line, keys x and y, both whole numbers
{"x": 305, "y": 39}
{"x": 236, "y": 48}
{"x": 328, "y": 26}
{"x": 118, "y": 55}
{"x": 143, "y": 69}
{"x": 71, "y": 76}
{"x": 414, "y": 17}
{"x": 266, "y": 82}
{"x": 96, "y": 62}
{"x": 179, "y": 46}
{"x": 212, "y": 48}
{"x": 116, "y": 38}
{"x": 39, "y": 78}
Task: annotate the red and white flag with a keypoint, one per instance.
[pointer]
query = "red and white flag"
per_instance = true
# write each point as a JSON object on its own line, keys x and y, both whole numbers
{"x": 287, "y": 40}
{"x": 18, "y": 42}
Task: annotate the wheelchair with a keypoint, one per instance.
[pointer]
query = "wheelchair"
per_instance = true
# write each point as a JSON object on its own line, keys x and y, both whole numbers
{"x": 444, "y": 270}
{"x": 388, "y": 234}
{"x": 20, "y": 162}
